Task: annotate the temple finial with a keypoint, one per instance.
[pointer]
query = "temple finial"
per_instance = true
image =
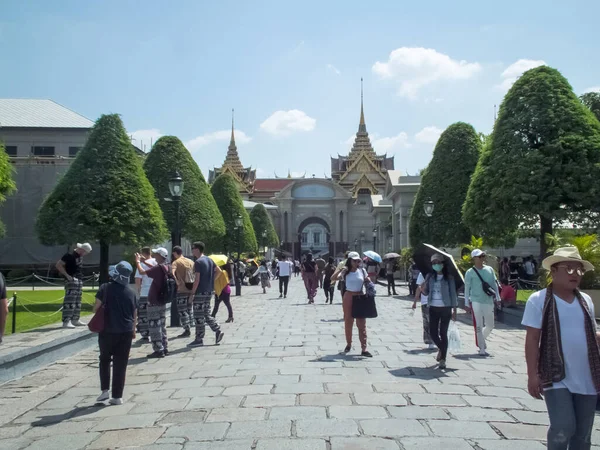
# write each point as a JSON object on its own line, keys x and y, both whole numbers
{"x": 361, "y": 125}
{"x": 232, "y": 141}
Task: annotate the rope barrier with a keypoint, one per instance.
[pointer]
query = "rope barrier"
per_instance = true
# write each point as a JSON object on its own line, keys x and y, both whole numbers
{"x": 11, "y": 300}
{"x": 40, "y": 315}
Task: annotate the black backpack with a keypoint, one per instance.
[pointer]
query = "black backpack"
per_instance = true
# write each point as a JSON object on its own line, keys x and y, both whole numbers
{"x": 168, "y": 293}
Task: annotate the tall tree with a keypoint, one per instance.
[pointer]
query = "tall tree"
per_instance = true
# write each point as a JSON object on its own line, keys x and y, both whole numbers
{"x": 445, "y": 182}
{"x": 541, "y": 163}
{"x": 229, "y": 201}
{"x": 104, "y": 196}
{"x": 265, "y": 233}
{"x": 200, "y": 218}
{"x": 7, "y": 184}
{"x": 592, "y": 101}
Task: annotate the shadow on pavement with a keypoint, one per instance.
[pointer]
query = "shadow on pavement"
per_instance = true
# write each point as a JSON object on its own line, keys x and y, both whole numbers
{"x": 339, "y": 357}
{"x": 472, "y": 356}
{"x": 332, "y": 320}
{"x": 419, "y": 351}
{"x": 421, "y": 373}
{"x": 45, "y": 421}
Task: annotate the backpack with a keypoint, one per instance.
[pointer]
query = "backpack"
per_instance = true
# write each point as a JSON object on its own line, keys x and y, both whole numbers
{"x": 168, "y": 292}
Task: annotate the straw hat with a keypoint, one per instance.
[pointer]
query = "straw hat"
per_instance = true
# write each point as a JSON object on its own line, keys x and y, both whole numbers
{"x": 566, "y": 254}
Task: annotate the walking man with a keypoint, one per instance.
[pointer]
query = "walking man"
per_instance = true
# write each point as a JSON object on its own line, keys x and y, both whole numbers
{"x": 204, "y": 285}
{"x": 142, "y": 283}
{"x": 390, "y": 267}
{"x": 157, "y": 308}
{"x": 285, "y": 271}
{"x": 561, "y": 350}
{"x": 69, "y": 266}
{"x": 183, "y": 271}
{"x": 481, "y": 293}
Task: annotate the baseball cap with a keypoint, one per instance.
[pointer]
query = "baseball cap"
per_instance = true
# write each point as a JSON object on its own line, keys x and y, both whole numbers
{"x": 437, "y": 257}
{"x": 161, "y": 251}
{"x": 477, "y": 252}
{"x": 354, "y": 255}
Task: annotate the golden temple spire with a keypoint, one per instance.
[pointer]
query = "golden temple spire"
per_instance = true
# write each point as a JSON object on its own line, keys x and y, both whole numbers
{"x": 361, "y": 125}
{"x": 232, "y": 140}
{"x": 232, "y": 159}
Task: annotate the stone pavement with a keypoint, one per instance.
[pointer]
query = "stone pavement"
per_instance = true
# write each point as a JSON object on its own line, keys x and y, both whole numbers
{"x": 279, "y": 382}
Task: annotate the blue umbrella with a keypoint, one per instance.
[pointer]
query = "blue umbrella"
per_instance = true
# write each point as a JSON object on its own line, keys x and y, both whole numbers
{"x": 374, "y": 256}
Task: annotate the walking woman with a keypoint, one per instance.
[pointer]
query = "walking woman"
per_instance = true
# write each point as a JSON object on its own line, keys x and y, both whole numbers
{"x": 440, "y": 289}
{"x": 265, "y": 275}
{"x": 225, "y": 296}
{"x": 309, "y": 275}
{"x": 354, "y": 278}
{"x": 120, "y": 309}
{"x": 328, "y": 284}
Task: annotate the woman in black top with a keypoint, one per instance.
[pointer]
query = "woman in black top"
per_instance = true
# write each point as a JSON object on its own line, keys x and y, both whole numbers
{"x": 120, "y": 309}
{"x": 309, "y": 275}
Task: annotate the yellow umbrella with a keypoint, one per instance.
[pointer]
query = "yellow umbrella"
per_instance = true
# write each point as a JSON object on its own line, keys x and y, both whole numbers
{"x": 220, "y": 282}
{"x": 219, "y": 260}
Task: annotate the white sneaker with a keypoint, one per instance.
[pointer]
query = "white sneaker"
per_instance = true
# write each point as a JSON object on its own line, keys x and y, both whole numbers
{"x": 79, "y": 323}
{"x": 431, "y": 346}
{"x": 482, "y": 352}
{"x": 116, "y": 401}
{"x": 68, "y": 324}
{"x": 103, "y": 397}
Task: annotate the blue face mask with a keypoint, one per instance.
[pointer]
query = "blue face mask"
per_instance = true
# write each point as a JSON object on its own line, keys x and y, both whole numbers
{"x": 438, "y": 267}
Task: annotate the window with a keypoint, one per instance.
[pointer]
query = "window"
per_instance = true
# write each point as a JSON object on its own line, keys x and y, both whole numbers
{"x": 73, "y": 151}
{"x": 11, "y": 150}
{"x": 304, "y": 238}
{"x": 317, "y": 238}
{"x": 42, "y": 151}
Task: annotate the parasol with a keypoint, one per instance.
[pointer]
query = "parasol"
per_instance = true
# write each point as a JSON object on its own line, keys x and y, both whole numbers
{"x": 374, "y": 256}
{"x": 219, "y": 260}
{"x": 422, "y": 257}
{"x": 391, "y": 256}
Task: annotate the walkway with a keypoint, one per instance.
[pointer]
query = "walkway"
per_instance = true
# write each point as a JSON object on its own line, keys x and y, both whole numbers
{"x": 278, "y": 382}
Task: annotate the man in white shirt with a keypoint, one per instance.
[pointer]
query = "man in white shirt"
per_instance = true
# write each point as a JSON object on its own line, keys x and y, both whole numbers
{"x": 529, "y": 269}
{"x": 562, "y": 353}
{"x": 142, "y": 284}
{"x": 285, "y": 270}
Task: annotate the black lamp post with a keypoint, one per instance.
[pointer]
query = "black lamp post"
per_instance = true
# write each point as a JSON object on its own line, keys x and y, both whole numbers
{"x": 264, "y": 240}
{"x": 239, "y": 223}
{"x": 356, "y": 244}
{"x": 176, "y": 189}
{"x": 374, "y": 239}
{"x": 428, "y": 207}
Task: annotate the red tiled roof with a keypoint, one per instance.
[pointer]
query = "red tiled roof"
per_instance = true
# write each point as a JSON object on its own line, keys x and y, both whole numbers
{"x": 271, "y": 184}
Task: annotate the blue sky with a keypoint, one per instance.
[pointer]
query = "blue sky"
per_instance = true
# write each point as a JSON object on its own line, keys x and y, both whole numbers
{"x": 291, "y": 70}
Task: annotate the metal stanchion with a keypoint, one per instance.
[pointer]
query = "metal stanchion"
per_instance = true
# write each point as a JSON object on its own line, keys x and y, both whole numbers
{"x": 14, "y": 315}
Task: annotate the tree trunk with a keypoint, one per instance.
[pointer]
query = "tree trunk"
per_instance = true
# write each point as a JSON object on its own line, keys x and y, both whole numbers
{"x": 104, "y": 249}
{"x": 545, "y": 228}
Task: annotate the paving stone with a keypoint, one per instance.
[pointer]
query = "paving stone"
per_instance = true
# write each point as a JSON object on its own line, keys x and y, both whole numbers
{"x": 153, "y": 396}
{"x": 241, "y": 444}
{"x": 357, "y": 412}
{"x": 128, "y": 421}
{"x": 521, "y": 431}
{"x": 270, "y": 400}
{"x": 491, "y": 402}
{"x": 417, "y": 412}
{"x": 249, "y": 390}
{"x": 198, "y": 431}
{"x": 214, "y": 402}
{"x": 126, "y": 438}
{"x": 531, "y": 417}
{"x": 15, "y": 443}
{"x": 298, "y": 412}
{"x": 436, "y": 400}
{"x": 363, "y": 443}
{"x": 349, "y": 388}
{"x": 236, "y": 414}
{"x": 449, "y": 389}
{"x": 18, "y": 430}
{"x": 504, "y": 392}
{"x": 504, "y": 444}
{"x": 291, "y": 444}
{"x": 453, "y": 428}
{"x": 160, "y": 405}
{"x": 328, "y": 427}
{"x": 66, "y": 427}
{"x": 262, "y": 429}
{"x": 325, "y": 399}
{"x": 434, "y": 443}
{"x": 180, "y": 417}
{"x": 209, "y": 391}
{"x": 533, "y": 404}
{"x": 392, "y": 427}
{"x": 229, "y": 381}
{"x": 399, "y": 387}
{"x": 64, "y": 442}
{"x": 381, "y": 399}
{"x": 277, "y": 379}
{"x": 480, "y": 414}
{"x": 299, "y": 388}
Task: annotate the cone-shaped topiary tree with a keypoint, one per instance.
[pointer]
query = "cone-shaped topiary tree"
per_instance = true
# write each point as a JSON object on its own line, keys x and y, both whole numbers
{"x": 445, "y": 182}
{"x": 104, "y": 196}
{"x": 265, "y": 233}
{"x": 7, "y": 184}
{"x": 229, "y": 201}
{"x": 199, "y": 215}
{"x": 541, "y": 164}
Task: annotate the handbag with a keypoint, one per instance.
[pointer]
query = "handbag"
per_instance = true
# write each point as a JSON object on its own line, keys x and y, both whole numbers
{"x": 363, "y": 305}
{"x": 487, "y": 289}
{"x": 96, "y": 325}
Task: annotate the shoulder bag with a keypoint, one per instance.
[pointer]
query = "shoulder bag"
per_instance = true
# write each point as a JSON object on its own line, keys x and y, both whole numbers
{"x": 96, "y": 325}
{"x": 363, "y": 305}
{"x": 487, "y": 289}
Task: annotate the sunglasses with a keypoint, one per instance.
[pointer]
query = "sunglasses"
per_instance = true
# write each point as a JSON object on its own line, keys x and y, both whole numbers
{"x": 571, "y": 270}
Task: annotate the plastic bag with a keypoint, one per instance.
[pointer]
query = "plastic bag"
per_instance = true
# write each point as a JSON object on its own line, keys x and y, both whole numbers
{"x": 412, "y": 312}
{"x": 454, "y": 344}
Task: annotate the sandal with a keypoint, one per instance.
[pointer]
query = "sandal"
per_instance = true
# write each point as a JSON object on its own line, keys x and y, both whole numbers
{"x": 348, "y": 348}
{"x": 366, "y": 354}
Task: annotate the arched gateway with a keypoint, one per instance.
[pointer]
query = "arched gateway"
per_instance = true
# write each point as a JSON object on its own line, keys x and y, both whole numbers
{"x": 314, "y": 235}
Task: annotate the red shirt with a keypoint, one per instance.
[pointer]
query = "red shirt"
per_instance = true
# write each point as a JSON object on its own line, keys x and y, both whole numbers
{"x": 508, "y": 293}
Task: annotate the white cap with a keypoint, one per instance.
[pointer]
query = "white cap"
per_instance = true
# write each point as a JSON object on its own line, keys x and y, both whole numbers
{"x": 354, "y": 255}
{"x": 85, "y": 247}
{"x": 161, "y": 251}
{"x": 475, "y": 253}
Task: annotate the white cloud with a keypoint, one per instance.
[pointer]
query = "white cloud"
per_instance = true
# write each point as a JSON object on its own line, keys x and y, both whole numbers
{"x": 428, "y": 135}
{"x": 592, "y": 89}
{"x": 516, "y": 69}
{"x": 216, "y": 136}
{"x": 333, "y": 69}
{"x": 416, "y": 67}
{"x": 144, "y": 139}
{"x": 284, "y": 123}
{"x": 386, "y": 144}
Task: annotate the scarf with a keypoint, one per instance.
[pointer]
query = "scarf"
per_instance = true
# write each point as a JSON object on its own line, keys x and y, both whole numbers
{"x": 551, "y": 365}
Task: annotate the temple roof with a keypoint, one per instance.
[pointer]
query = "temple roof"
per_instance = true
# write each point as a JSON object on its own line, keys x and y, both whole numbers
{"x": 233, "y": 159}
{"x": 362, "y": 143}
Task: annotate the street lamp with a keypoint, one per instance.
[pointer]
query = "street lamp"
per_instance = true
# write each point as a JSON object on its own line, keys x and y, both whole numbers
{"x": 239, "y": 224}
{"x": 264, "y": 240}
{"x": 176, "y": 189}
{"x": 374, "y": 239}
{"x": 355, "y": 244}
{"x": 428, "y": 208}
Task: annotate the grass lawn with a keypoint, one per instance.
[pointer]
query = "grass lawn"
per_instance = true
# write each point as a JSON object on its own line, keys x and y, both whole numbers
{"x": 523, "y": 295}
{"x": 38, "y": 308}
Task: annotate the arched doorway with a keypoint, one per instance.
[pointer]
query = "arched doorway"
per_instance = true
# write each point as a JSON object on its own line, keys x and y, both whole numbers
{"x": 313, "y": 236}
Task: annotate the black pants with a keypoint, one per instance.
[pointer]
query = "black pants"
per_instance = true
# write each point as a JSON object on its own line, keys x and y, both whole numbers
{"x": 284, "y": 280}
{"x": 115, "y": 346}
{"x": 412, "y": 287}
{"x": 391, "y": 283}
{"x": 439, "y": 320}
{"x": 225, "y": 298}
{"x": 329, "y": 289}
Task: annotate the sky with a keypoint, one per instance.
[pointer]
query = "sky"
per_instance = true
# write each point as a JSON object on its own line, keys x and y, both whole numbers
{"x": 291, "y": 70}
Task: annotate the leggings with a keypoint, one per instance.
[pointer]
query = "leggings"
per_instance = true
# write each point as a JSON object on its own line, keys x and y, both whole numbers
{"x": 439, "y": 320}
{"x": 225, "y": 298}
